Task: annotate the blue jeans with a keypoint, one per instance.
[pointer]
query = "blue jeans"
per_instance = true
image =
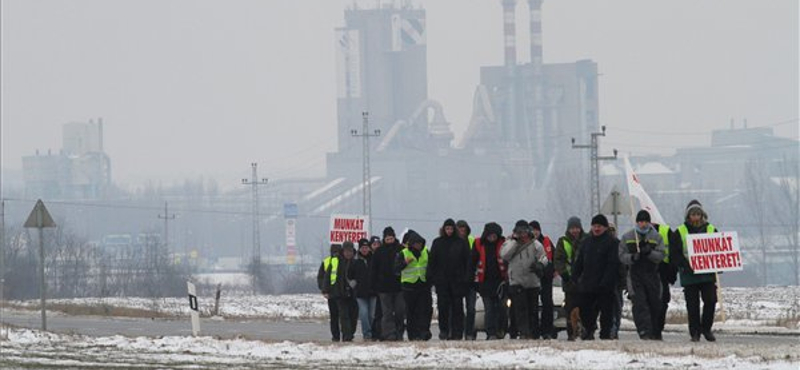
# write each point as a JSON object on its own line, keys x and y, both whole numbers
{"x": 366, "y": 313}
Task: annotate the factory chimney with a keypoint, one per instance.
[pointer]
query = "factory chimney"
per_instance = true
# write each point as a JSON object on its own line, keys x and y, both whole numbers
{"x": 510, "y": 32}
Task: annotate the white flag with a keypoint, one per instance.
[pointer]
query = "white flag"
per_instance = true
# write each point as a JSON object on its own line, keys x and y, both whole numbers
{"x": 636, "y": 190}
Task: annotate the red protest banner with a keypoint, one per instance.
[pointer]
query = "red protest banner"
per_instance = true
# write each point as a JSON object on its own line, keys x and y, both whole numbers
{"x": 715, "y": 252}
{"x": 347, "y": 227}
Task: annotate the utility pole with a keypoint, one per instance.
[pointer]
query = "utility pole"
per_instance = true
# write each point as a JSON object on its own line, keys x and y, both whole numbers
{"x": 166, "y": 217}
{"x": 3, "y": 333}
{"x": 594, "y": 147}
{"x": 367, "y": 177}
{"x": 256, "y": 253}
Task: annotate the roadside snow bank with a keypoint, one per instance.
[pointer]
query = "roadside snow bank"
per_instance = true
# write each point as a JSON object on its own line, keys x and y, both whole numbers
{"x": 29, "y": 348}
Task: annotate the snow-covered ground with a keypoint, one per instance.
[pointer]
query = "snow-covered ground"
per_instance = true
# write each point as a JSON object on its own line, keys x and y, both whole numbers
{"x": 743, "y": 306}
{"x": 27, "y": 348}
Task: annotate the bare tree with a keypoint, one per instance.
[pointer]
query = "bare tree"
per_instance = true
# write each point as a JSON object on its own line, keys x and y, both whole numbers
{"x": 756, "y": 198}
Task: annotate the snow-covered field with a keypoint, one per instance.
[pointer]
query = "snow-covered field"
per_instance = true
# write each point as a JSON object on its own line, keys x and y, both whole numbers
{"x": 772, "y": 306}
{"x": 27, "y": 348}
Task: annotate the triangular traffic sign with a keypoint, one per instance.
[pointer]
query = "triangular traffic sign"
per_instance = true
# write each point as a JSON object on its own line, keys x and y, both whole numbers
{"x": 39, "y": 217}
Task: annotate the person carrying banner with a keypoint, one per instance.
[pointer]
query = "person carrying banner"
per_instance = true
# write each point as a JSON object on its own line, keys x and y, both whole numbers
{"x": 342, "y": 288}
{"x": 642, "y": 248}
{"x": 695, "y": 286}
{"x": 546, "y": 292}
{"x": 387, "y": 285}
{"x": 330, "y": 262}
{"x": 563, "y": 259}
{"x": 412, "y": 264}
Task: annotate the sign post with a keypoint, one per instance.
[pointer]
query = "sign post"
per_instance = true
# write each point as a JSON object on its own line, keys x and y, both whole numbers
{"x": 40, "y": 219}
{"x": 193, "y": 307}
{"x": 715, "y": 253}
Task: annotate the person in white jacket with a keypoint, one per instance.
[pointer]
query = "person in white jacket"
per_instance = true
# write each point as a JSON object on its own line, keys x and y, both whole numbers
{"x": 526, "y": 261}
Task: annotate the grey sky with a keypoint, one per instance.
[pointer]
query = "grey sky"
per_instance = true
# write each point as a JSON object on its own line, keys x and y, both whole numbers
{"x": 190, "y": 87}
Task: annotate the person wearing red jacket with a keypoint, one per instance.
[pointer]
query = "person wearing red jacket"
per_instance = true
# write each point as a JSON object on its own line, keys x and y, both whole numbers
{"x": 490, "y": 272}
{"x": 546, "y": 293}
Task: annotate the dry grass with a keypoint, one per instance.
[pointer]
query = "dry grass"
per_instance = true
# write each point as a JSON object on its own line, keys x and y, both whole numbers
{"x": 97, "y": 310}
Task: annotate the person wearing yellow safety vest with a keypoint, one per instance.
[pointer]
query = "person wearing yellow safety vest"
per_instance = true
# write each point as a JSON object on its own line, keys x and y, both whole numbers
{"x": 642, "y": 248}
{"x": 342, "y": 289}
{"x": 695, "y": 286}
{"x": 329, "y": 262}
{"x": 564, "y": 257}
{"x": 465, "y": 232}
{"x": 412, "y": 263}
{"x": 668, "y": 274}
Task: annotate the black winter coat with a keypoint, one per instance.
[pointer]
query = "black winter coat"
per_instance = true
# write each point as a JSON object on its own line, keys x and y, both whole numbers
{"x": 597, "y": 267}
{"x": 449, "y": 262}
{"x": 360, "y": 273}
{"x": 382, "y": 272}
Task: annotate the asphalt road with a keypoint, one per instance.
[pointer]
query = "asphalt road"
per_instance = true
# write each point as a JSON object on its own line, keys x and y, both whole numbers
{"x": 267, "y": 330}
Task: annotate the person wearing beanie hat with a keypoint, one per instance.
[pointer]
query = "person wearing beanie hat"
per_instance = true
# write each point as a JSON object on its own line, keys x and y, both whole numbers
{"x": 333, "y": 307}
{"x": 526, "y": 261}
{"x": 366, "y": 298}
{"x": 596, "y": 270}
{"x": 642, "y": 248}
{"x": 563, "y": 259}
{"x": 546, "y": 292}
{"x": 490, "y": 273}
{"x": 387, "y": 284}
{"x": 465, "y": 232}
{"x": 412, "y": 264}
{"x": 695, "y": 286}
{"x": 341, "y": 289}
{"x": 449, "y": 271}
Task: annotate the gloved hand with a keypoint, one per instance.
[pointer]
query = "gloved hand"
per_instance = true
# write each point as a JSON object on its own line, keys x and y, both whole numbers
{"x": 565, "y": 277}
{"x": 645, "y": 249}
{"x": 635, "y": 257}
{"x": 538, "y": 269}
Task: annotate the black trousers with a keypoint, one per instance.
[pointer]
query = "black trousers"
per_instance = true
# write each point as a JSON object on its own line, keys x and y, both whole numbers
{"x": 348, "y": 317}
{"x": 665, "y": 298}
{"x": 592, "y": 304}
{"x": 393, "y": 315}
{"x": 546, "y": 295}
{"x": 692, "y": 294}
{"x": 419, "y": 310}
{"x": 333, "y": 309}
{"x": 451, "y": 312}
{"x": 525, "y": 303}
{"x": 647, "y": 304}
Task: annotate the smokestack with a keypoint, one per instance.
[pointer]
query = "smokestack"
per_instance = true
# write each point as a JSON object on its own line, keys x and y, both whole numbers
{"x": 535, "y": 7}
{"x": 100, "y": 132}
{"x": 510, "y": 32}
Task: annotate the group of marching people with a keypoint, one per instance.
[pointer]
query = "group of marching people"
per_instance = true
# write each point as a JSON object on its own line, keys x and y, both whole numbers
{"x": 386, "y": 283}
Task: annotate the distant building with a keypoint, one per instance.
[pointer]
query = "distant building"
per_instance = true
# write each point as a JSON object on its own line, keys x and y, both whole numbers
{"x": 80, "y": 170}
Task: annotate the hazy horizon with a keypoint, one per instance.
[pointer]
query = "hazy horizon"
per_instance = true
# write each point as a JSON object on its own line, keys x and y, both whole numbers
{"x": 204, "y": 88}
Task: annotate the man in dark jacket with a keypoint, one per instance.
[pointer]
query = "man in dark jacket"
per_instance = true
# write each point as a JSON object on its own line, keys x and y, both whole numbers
{"x": 448, "y": 271}
{"x": 643, "y": 250}
{"x": 596, "y": 272}
{"x": 342, "y": 291}
{"x": 386, "y": 282}
{"x": 695, "y": 286}
{"x": 563, "y": 259}
{"x": 465, "y": 232}
{"x": 546, "y": 292}
{"x": 322, "y": 284}
{"x": 490, "y": 273}
{"x": 412, "y": 265}
{"x": 365, "y": 294}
